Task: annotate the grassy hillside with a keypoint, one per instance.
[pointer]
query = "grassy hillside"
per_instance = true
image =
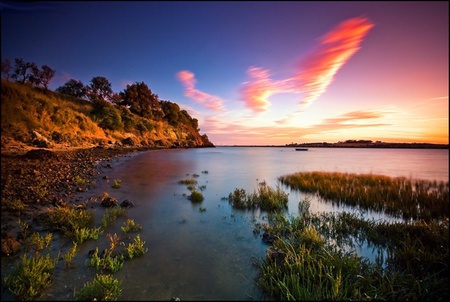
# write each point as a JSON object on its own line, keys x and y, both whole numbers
{"x": 47, "y": 119}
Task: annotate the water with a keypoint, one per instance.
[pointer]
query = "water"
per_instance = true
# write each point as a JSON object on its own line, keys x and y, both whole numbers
{"x": 195, "y": 255}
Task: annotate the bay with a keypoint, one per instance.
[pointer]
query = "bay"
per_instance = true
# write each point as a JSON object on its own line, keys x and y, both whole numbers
{"x": 209, "y": 255}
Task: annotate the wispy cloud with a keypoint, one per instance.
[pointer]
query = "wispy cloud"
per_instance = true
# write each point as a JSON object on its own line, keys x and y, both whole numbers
{"x": 211, "y": 102}
{"x": 315, "y": 72}
{"x": 221, "y": 131}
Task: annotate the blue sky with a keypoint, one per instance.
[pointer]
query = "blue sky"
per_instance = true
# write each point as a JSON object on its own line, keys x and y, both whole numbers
{"x": 256, "y": 72}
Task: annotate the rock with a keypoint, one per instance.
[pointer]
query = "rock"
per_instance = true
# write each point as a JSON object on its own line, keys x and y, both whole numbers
{"x": 127, "y": 204}
{"x": 109, "y": 202}
{"x": 39, "y": 154}
{"x": 267, "y": 238}
{"x": 10, "y": 246}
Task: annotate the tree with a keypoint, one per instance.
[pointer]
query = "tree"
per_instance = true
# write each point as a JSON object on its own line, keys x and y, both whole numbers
{"x": 171, "y": 112}
{"x": 23, "y": 70}
{"x": 140, "y": 99}
{"x": 99, "y": 89}
{"x": 6, "y": 68}
{"x": 45, "y": 75}
{"x": 74, "y": 88}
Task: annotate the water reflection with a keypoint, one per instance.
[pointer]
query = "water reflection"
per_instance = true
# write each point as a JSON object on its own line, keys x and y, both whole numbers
{"x": 195, "y": 255}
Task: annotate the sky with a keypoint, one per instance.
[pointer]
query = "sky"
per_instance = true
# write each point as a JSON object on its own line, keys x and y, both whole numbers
{"x": 256, "y": 73}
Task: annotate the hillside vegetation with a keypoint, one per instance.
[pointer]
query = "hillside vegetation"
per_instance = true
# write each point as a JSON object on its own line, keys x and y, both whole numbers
{"x": 38, "y": 117}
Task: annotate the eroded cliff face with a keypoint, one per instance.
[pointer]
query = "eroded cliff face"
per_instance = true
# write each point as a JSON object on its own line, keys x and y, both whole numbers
{"x": 45, "y": 119}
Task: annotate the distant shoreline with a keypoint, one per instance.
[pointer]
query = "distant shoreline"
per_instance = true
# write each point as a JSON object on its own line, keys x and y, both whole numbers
{"x": 353, "y": 145}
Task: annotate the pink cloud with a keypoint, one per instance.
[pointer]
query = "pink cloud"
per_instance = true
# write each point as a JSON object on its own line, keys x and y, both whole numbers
{"x": 211, "y": 102}
{"x": 315, "y": 73}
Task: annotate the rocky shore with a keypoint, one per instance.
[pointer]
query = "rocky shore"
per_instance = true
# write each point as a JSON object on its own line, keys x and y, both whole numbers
{"x": 34, "y": 180}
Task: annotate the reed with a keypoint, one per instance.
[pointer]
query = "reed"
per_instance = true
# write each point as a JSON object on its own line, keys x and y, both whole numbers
{"x": 264, "y": 197}
{"x": 399, "y": 197}
{"x": 311, "y": 259}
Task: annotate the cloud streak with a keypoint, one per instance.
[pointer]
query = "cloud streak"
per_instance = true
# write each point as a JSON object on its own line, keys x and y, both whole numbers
{"x": 315, "y": 73}
{"x": 209, "y": 101}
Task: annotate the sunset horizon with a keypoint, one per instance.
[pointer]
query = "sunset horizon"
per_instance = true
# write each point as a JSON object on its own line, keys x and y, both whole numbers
{"x": 257, "y": 73}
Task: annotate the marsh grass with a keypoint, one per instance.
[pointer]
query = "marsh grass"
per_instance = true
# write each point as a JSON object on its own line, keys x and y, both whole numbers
{"x": 136, "y": 248}
{"x": 399, "y": 197}
{"x": 111, "y": 214}
{"x": 187, "y": 181}
{"x": 310, "y": 259}
{"x": 113, "y": 258}
{"x": 196, "y": 196}
{"x": 102, "y": 288}
{"x": 130, "y": 226}
{"x": 74, "y": 223}
{"x": 30, "y": 276}
{"x": 264, "y": 197}
{"x": 68, "y": 257}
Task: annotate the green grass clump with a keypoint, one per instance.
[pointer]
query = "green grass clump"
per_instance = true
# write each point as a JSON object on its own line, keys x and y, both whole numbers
{"x": 196, "y": 196}
{"x": 109, "y": 258}
{"x": 136, "y": 248}
{"x": 187, "y": 181}
{"x": 102, "y": 288}
{"x": 111, "y": 214}
{"x": 264, "y": 197}
{"x": 131, "y": 226}
{"x": 68, "y": 257}
{"x": 74, "y": 223}
{"x": 31, "y": 276}
{"x": 116, "y": 183}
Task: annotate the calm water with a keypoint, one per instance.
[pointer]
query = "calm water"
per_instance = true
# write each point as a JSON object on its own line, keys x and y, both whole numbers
{"x": 196, "y": 255}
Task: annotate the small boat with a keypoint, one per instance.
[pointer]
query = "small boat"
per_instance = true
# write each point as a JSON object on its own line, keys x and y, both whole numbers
{"x": 301, "y": 149}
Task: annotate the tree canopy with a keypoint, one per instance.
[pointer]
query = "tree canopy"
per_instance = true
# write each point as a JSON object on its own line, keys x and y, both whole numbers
{"x": 140, "y": 99}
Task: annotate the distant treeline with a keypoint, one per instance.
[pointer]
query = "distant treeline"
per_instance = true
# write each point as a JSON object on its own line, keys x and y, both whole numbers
{"x": 370, "y": 144}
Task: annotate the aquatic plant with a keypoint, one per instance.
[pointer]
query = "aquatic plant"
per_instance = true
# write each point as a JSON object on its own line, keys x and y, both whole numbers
{"x": 30, "y": 276}
{"x": 399, "y": 197}
{"x": 264, "y": 197}
{"x": 130, "y": 226}
{"x": 196, "y": 196}
{"x": 310, "y": 258}
{"x": 117, "y": 183}
{"x": 111, "y": 214}
{"x": 136, "y": 248}
{"x": 188, "y": 181}
{"x": 102, "y": 288}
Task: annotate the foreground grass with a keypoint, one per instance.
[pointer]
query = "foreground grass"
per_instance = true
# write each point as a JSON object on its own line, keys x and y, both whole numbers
{"x": 33, "y": 273}
{"x": 313, "y": 255}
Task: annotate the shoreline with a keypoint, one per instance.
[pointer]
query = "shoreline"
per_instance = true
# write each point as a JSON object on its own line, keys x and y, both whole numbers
{"x": 33, "y": 180}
